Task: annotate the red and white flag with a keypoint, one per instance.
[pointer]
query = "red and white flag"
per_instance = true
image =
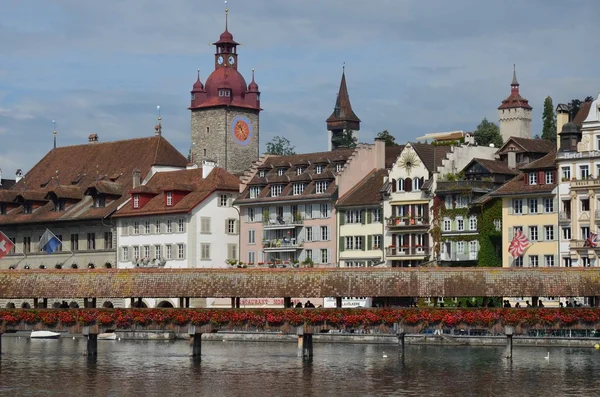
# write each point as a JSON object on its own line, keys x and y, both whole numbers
{"x": 518, "y": 244}
{"x": 5, "y": 245}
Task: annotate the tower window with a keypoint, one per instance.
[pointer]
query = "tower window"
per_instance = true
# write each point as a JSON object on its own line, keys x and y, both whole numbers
{"x": 207, "y": 130}
{"x": 204, "y": 152}
{"x": 225, "y": 92}
{"x": 319, "y": 169}
{"x": 193, "y": 96}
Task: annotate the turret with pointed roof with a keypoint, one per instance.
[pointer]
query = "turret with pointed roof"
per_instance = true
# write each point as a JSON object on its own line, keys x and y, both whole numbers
{"x": 514, "y": 113}
{"x": 343, "y": 117}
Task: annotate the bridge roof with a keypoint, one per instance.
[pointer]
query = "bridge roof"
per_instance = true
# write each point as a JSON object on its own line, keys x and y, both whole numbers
{"x": 265, "y": 283}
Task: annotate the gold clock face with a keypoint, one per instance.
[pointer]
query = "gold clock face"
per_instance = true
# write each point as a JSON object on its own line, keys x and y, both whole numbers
{"x": 241, "y": 129}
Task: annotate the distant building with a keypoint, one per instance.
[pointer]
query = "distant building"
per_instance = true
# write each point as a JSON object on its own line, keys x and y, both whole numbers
{"x": 514, "y": 114}
{"x": 6, "y": 184}
{"x": 343, "y": 120}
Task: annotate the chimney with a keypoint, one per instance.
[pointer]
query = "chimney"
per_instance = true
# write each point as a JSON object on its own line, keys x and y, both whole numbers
{"x": 207, "y": 167}
{"x": 93, "y": 138}
{"x": 136, "y": 178}
{"x": 562, "y": 118}
{"x": 18, "y": 175}
{"x": 512, "y": 159}
{"x": 379, "y": 153}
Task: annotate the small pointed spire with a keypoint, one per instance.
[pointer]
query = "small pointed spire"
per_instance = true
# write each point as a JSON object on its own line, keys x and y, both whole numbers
{"x": 344, "y": 68}
{"x": 253, "y": 75}
{"x": 54, "y": 132}
{"x": 198, "y": 74}
{"x": 226, "y": 14}
{"x": 158, "y": 127}
{"x": 514, "y": 80}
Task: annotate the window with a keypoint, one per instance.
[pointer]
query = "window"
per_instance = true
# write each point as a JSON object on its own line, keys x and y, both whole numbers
{"x": 321, "y": 187}
{"x": 169, "y": 252}
{"x": 324, "y": 233}
{"x": 447, "y": 225}
{"x": 204, "y": 225}
{"x": 448, "y": 202}
{"x": 498, "y": 225}
{"x": 231, "y": 251}
{"x": 324, "y": 256}
{"x": 566, "y": 232}
{"x": 59, "y": 205}
{"x": 146, "y": 251}
{"x": 251, "y": 236}
{"x": 517, "y": 206}
{"x": 180, "y": 251}
{"x": 566, "y": 173}
{"x": 136, "y": 227}
{"x": 223, "y": 200}
{"x": 549, "y": 260}
{"x": 460, "y": 224}
{"x": 548, "y": 205}
{"x": 169, "y": 199}
{"x": 231, "y": 226}
{"x": 147, "y": 227}
{"x": 585, "y": 204}
{"x": 255, "y": 191}
{"x": 417, "y": 184}
{"x": 549, "y": 232}
{"x": 157, "y": 252}
{"x": 473, "y": 223}
{"x": 299, "y": 170}
{"x": 108, "y": 240}
{"x": 339, "y": 167}
{"x": 169, "y": 226}
{"x": 549, "y": 177}
{"x": 585, "y": 232}
{"x": 251, "y": 257}
{"x": 584, "y": 171}
{"x": 567, "y": 262}
{"x": 518, "y": 261}
{"x": 136, "y": 201}
{"x": 308, "y": 211}
{"x": 533, "y": 261}
{"x": 460, "y": 247}
{"x": 204, "y": 251}
{"x": 354, "y": 243}
{"x": 533, "y": 206}
{"x": 180, "y": 225}
{"x": 276, "y": 190}
{"x": 585, "y": 261}
{"x": 262, "y": 173}
{"x": 377, "y": 241}
{"x": 319, "y": 169}
{"x": 533, "y": 178}
{"x": 280, "y": 171}
{"x": 26, "y": 244}
{"x": 324, "y": 210}
{"x": 91, "y": 241}
{"x": 251, "y": 215}
{"x": 27, "y": 207}
{"x": 309, "y": 233}
{"x": 377, "y": 215}
{"x": 125, "y": 256}
{"x": 354, "y": 216}
{"x": 157, "y": 228}
{"x": 533, "y": 233}
{"x": 400, "y": 185}
{"x": 309, "y": 254}
{"x": 74, "y": 242}
{"x": 298, "y": 188}
{"x": 462, "y": 201}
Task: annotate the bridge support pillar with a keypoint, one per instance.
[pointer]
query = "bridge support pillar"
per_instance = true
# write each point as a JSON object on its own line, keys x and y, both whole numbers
{"x": 509, "y": 331}
{"x": 305, "y": 344}
{"x": 235, "y": 302}
{"x": 91, "y": 335}
{"x": 287, "y": 302}
{"x": 400, "y": 334}
{"x": 139, "y": 302}
{"x": 36, "y": 303}
{"x": 86, "y": 303}
{"x": 131, "y": 302}
{"x": 187, "y": 302}
{"x": 0, "y": 344}
{"x": 195, "y": 342}
{"x": 338, "y": 301}
{"x": 93, "y": 303}
{"x": 181, "y": 302}
{"x": 45, "y": 303}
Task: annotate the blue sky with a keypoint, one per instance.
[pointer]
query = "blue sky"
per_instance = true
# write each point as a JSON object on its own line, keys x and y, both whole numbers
{"x": 412, "y": 66}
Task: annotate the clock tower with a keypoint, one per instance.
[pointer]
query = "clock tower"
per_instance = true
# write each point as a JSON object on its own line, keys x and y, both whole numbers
{"x": 225, "y": 112}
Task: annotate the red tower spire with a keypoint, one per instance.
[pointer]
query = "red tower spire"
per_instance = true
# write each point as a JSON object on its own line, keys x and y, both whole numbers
{"x": 515, "y": 100}
{"x": 343, "y": 117}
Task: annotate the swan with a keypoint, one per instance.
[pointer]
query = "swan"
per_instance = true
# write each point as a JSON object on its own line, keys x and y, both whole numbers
{"x": 384, "y": 355}
{"x": 547, "y": 356}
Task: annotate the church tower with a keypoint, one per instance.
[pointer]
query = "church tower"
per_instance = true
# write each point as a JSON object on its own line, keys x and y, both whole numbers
{"x": 343, "y": 118}
{"x": 514, "y": 114}
{"x": 225, "y": 112}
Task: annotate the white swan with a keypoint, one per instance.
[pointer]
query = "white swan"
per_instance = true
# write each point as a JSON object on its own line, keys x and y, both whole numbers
{"x": 547, "y": 356}
{"x": 384, "y": 355}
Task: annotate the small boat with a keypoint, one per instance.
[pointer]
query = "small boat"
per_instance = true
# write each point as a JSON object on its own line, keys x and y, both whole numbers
{"x": 107, "y": 336}
{"x": 44, "y": 335}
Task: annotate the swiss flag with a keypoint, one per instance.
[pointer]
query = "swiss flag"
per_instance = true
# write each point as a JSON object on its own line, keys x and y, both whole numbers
{"x": 5, "y": 245}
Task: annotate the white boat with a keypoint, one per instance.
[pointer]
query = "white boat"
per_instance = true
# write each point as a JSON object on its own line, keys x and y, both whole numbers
{"x": 107, "y": 336}
{"x": 44, "y": 335}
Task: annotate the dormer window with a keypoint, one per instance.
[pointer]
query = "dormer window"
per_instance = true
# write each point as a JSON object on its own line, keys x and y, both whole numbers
{"x": 224, "y": 92}
{"x": 299, "y": 170}
{"x": 339, "y": 167}
{"x": 99, "y": 201}
{"x": 59, "y": 205}
{"x": 276, "y": 190}
{"x": 533, "y": 178}
{"x": 3, "y": 208}
{"x": 169, "y": 199}
{"x": 255, "y": 191}
{"x": 27, "y": 207}
{"x": 319, "y": 169}
{"x": 280, "y": 171}
{"x": 321, "y": 187}
{"x": 136, "y": 201}
{"x": 550, "y": 177}
{"x": 262, "y": 173}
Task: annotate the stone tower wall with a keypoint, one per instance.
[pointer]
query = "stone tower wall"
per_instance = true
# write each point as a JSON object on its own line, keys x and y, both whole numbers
{"x": 514, "y": 122}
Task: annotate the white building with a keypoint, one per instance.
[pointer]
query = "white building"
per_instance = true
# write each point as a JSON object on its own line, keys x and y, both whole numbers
{"x": 180, "y": 219}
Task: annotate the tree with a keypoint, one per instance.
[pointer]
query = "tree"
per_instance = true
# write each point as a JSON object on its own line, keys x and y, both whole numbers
{"x": 549, "y": 121}
{"x": 389, "y": 139}
{"x": 575, "y": 105}
{"x": 487, "y": 132}
{"x": 280, "y": 146}
{"x": 347, "y": 139}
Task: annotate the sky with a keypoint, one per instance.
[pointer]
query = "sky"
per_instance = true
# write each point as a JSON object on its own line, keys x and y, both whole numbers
{"x": 412, "y": 66}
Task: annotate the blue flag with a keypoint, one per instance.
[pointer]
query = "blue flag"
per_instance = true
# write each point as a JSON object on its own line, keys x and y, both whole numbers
{"x": 49, "y": 242}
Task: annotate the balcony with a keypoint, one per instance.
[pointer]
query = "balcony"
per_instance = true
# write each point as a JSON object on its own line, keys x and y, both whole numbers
{"x": 580, "y": 244}
{"x": 281, "y": 245}
{"x": 585, "y": 183}
{"x": 283, "y": 222}
{"x": 393, "y": 251}
{"x": 408, "y": 221}
{"x": 477, "y": 186}
{"x": 564, "y": 217}
{"x": 456, "y": 257}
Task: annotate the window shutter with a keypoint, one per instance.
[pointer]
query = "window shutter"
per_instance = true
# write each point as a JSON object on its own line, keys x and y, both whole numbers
{"x": 541, "y": 178}
{"x": 329, "y": 258}
{"x": 184, "y": 252}
{"x": 369, "y": 216}
{"x": 364, "y": 243}
{"x": 510, "y": 207}
{"x": 394, "y": 185}
{"x": 408, "y": 185}
{"x": 342, "y": 215}
{"x": 329, "y": 233}
{"x": 237, "y": 226}
{"x": 342, "y": 245}
{"x": 258, "y": 214}
{"x": 125, "y": 229}
{"x": 369, "y": 242}
{"x": 226, "y": 224}
{"x": 363, "y": 217}
{"x": 511, "y": 234}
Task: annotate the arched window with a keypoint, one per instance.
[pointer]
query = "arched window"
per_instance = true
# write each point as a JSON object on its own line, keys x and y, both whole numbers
{"x": 400, "y": 185}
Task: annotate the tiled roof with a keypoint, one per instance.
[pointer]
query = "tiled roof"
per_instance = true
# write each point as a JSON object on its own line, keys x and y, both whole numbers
{"x": 517, "y": 186}
{"x": 107, "y": 167}
{"x": 7, "y": 183}
{"x": 494, "y": 166}
{"x": 365, "y": 192}
{"x": 391, "y": 154}
{"x": 343, "y": 109}
{"x": 431, "y": 155}
{"x": 515, "y": 100}
{"x": 308, "y": 161}
{"x": 582, "y": 114}
{"x": 548, "y": 161}
{"x": 530, "y": 145}
{"x": 67, "y": 192}
{"x": 198, "y": 189}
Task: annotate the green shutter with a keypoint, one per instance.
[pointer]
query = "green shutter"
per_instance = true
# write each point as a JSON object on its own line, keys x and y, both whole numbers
{"x": 363, "y": 217}
{"x": 369, "y": 242}
{"x": 342, "y": 215}
{"x": 369, "y": 216}
{"x": 364, "y": 244}
{"x": 342, "y": 246}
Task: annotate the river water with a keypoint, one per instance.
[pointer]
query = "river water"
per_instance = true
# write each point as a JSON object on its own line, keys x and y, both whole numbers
{"x": 151, "y": 368}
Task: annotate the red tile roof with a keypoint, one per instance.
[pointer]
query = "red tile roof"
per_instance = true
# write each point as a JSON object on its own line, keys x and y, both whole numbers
{"x": 494, "y": 166}
{"x": 517, "y": 186}
{"x": 431, "y": 155}
{"x": 365, "y": 192}
{"x": 530, "y": 145}
{"x": 582, "y": 114}
{"x": 546, "y": 162}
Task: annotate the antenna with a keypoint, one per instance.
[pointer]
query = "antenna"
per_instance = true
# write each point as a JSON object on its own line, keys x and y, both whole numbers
{"x": 158, "y": 127}
{"x": 54, "y": 132}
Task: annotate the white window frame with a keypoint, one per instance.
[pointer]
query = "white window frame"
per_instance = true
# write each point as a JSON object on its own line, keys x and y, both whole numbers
{"x": 255, "y": 191}
{"x": 533, "y": 178}
{"x": 223, "y": 200}
{"x": 321, "y": 187}
{"x": 566, "y": 173}
{"x": 447, "y": 225}
{"x": 460, "y": 224}
{"x": 517, "y": 206}
{"x": 533, "y": 233}
{"x": 298, "y": 188}
{"x": 548, "y": 205}
{"x": 549, "y": 232}
{"x": 549, "y": 260}
{"x": 533, "y": 206}
{"x": 180, "y": 225}
{"x": 276, "y": 190}
{"x": 169, "y": 199}
{"x": 584, "y": 171}
{"x": 136, "y": 201}
{"x": 125, "y": 256}
{"x": 400, "y": 183}
{"x": 251, "y": 236}
{"x": 549, "y": 178}
{"x": 319, "y": 169}
{"x": 473, "y": 223}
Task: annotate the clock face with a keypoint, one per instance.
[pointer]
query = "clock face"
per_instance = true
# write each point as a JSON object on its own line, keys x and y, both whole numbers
{"x": 241, "y": 129}
{"x": 220, "y": 60}
{"x": 231, "y": 60}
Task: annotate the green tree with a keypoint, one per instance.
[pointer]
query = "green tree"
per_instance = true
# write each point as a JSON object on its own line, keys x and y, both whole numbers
{"x": 346, "y": 139}
{"x": 549, "y": 121}
{"x": 389, "y": 139}
{"x": 575, "y": 105}
{"x": 280, "y": 146}
{"x": 487, "y": 132}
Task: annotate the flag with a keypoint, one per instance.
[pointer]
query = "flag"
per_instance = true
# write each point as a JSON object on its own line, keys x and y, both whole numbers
{"x": 5, "y": 245}
{"x": 591, "y": 241}
{"x": 518, "y": 244}
{"x": 49, "y": 242}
